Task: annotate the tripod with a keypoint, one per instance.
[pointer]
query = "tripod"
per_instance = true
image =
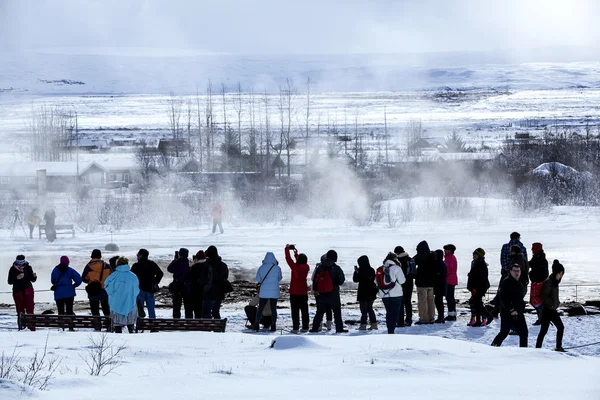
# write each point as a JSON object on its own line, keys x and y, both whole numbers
{"x": 14, "y": 225}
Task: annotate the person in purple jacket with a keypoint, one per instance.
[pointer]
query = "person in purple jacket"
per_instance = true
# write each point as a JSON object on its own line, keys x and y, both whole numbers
{"x": 64, "y": 280}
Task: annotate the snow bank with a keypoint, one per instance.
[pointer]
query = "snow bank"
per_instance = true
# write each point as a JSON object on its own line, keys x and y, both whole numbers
{"x": 293, "y": 342}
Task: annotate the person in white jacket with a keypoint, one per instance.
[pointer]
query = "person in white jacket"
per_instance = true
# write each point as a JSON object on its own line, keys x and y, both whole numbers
{"x": 389, "y": 281}
{"x": 268, "y": 277}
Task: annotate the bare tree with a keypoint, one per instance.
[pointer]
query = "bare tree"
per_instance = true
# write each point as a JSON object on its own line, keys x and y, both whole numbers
{"x": 189, "y": 127}
{"x": 51, "y": 134}
{"x": 238, "y": 107}
{"x": 252, "y": 142}
{"x": 199, "y": 119}
{"x": 287, "y": 97}
{"x": 414, "y": 133}
{"x": 267, "y": 134}
{"x": 210, "y": 135}
{"x": 308, "y": 109}
{"x": 174, "y": 112}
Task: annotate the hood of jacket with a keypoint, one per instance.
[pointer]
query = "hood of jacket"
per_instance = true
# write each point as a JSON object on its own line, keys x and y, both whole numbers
{"x": 423, "y": 247}
{"x": 270, "y": 259}
{"x": 62, "y": 267}
{"x": 403, "y": 255}
{"x": 123, "y": 268}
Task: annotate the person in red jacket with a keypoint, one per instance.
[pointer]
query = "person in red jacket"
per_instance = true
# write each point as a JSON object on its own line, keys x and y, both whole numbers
{"x": 298, "y": 287}
{"x": 451, "y": 280}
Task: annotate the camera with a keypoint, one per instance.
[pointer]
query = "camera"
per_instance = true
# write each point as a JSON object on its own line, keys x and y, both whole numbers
{"x": 292, "y": 246}
{"x": 176, "y": 255}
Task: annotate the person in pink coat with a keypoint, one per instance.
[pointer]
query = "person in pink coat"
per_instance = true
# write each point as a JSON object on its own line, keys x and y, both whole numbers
{"x": 451, "y": 280}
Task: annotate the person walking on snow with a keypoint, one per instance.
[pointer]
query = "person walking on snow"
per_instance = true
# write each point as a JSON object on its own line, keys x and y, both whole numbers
{"x": 478, "y": 284}
{"x": 538, "y": 273}
{"x": 550, "y": 306}
{"x": 366, "y": 294}
{"x": 217, "y": 216}
{"x": 512, "y": 308}
{"x": 391, "y": 297}
{"x": 64, "y": 280}
{"x": 123, "y": 288}
{"x": 268, "y": 276}
{"x": 21, "y": 277}
{"x": 298, "y": 288}
{"x": 451, "y": 280}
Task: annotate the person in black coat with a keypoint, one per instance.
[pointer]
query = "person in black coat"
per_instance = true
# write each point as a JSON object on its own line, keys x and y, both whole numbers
{"x": 478, "y": 284}
{"x": 407, "y": 264}
{"x": 149, "y": 274}
{"x": 537, "y": 275}
{"x": 512, "y": 308}
{"x": 517, "y": 257}
{"x": 364, "y": 275}
{"x": 550, "y": 306}
{"x": 329, "y": 300}
{"x": 427, "y": 270}
{"x": 21, "y": 277}
{"x": 213, "y": 278}
{"x": 439, "y": 290}
{"x": 196, "y": 286}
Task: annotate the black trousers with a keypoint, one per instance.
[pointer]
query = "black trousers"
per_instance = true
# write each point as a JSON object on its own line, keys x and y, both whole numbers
{"x": 328, "y": 303}
{"x": 438, "y": 299}
{"x": 196, "y": 306}
{"x": 549, "y": 316}
{"x": 450, "y": 298}
{"x": 67, "y": 303}
{"x": 95, "y": 307}
{"x": 406, "y": 311}
{"x": 299, "y": 304}
{"x": 366, "y": 310}
{"x": 476, "y": 303}
{"x": 188, "y": 306}
{"x": 506, "y": 323}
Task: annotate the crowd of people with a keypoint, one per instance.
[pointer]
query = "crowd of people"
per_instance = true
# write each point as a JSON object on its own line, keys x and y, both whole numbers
{"x": 201, "y": 284}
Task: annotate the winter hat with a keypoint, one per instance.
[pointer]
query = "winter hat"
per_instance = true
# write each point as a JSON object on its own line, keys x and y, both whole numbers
{"x": 332, "y": 255}
{"x": 557, "y": 267}
{"x": 450, "y": 247}
{"x": 391, "y": 256}
{"x": 64, "y": 260}
{"x": 183, "y": 252}
{"x": 113, "y": 262}
{"x": 96, "y": 253}
{"x": 515, "y": 248}
{"x": 200, "y": 256}
{"x": 143, "y": 253}
{"x": 20, "y": 259}
{"x": 398, "y": 249}
{"x": 212, "y": 252}
{"x": 480, "y": 252}
{"x": 302, "y": 259}
{"x": 122, "y": 261}
{"x": 323, "y": 258}
{"x": 515, "y": 235}
{"x": 536, "y": 248}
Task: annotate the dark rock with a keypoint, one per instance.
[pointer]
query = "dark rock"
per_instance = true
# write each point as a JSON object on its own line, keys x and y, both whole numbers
{"x": 111, "y": 247}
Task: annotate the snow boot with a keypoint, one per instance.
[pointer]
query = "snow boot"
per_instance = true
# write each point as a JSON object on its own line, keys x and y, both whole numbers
{"x": 373, "y": 326}
{"x": 476, "y": 324}
{"x": 440, "y": 321}
{"x": 451, "y": 316}
{"x": 471, "y": 322}
{"x": 295, "y": 331}
{"x": 536, "y": 323}
{"x": 329, "y": 325}
{"x": 362, "y": 327}
{"x": 484, "y": 321}
{"x": 560, "y": 350}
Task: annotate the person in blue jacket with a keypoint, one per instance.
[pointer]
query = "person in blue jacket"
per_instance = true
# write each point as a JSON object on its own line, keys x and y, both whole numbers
{"x": 268, "y": 276}
{"x": 64, "y": 280}
{"x": 123, "y": 288}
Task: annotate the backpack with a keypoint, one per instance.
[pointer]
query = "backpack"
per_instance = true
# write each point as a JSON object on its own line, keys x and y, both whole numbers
{"x": 411, "y": 268}
{"x": 324, "y": 281}
{"x": 383, "y": 278}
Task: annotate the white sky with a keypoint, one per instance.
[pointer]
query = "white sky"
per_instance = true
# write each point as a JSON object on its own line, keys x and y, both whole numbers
{"x": 300, "y": 26}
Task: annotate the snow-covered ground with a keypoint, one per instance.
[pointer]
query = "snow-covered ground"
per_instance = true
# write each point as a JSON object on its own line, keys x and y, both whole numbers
{"x": 271, "y": 366}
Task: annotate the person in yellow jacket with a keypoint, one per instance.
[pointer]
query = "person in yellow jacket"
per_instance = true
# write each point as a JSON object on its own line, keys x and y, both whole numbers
{"x": 94, "y": 274}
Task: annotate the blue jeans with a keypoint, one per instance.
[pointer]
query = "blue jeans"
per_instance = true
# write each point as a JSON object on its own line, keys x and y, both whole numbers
{"x": 211, "y": 309}
{"x": 393, "y": 305}
{"x": 148, "y": 299}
